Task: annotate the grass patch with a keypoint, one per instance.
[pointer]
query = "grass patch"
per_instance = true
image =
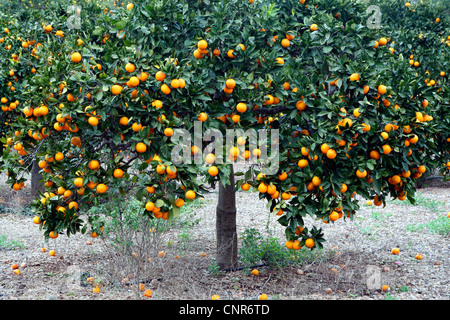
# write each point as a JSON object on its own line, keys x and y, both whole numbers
{"x": 7, "y": 244}
{"x": 422, "y": 201}
{"x": 258, "y": 249}
{"x": 440, "y": 225}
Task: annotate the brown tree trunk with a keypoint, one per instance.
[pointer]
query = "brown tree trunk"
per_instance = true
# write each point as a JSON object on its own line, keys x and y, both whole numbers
{"x": 226, "y": 225}
{"x": 36, "y": 177}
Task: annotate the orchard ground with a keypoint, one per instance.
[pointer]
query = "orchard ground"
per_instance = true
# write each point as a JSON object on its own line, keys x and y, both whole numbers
{"x": 356, "y": 256}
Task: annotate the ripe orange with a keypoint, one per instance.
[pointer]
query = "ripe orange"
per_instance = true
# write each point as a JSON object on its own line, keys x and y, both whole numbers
{"x": 334, "y": 216}
{"x": 421, "y": 169}
{"x": 419, "y": 256}
{"x": 355, "y": 77}
{"x": 78, "y": 182}
{"x": 213, "y": 171}
{"x": 303, "y": 163}
{"x": 102, "y": 188}
{"x": 313, "y": 27}
{"x": 179, "y": 202}
{"x": 76, "y": 57}
{"x": 116, "y": 89}
{"x": 130, "y": 67}
{"x": 94, "y": 165}
{"x": 52, "y": 253}
{"x": 290, "y": 244}
{"x": 361, "y": 174}
{"x": 395, "y": 251}
{"x": 59, "y": 156}
{"x": 285, "y": 43}
{"x": 166, "y": 89}
{"x": 316, "y": 181}
{"x": 255, "y": 272}
{"x": 230, "y": 84}
{"x": 324, "y": 148}
{"x": 386, "y": 149}
{"x": 374, "y": 155}
{"x": 190, "y": 194}
{"x": 148, "y": 293}
{"x": 168, "y": 132}
{"x": 245, "y": 187}
{"x": 381, "y": 89}
{"x": 331, "y": 154}
{"x": 241, "y": 107}
{"x": 160, "y": 76}
{"x": 309, "y": 243}
{"x": 149, "y": 206}
{"x": 93, "y": 121}
{"x": 141, "y": 147}
{"x": 382, "y": 41}
{"x": 118, "y": 173}
{"x": 262, "y": 188}
{"x": 202, "y": 45}
{"x": 203, "y": 117}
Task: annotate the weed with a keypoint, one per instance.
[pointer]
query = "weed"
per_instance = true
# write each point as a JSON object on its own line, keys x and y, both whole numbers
{"x": 10, "y": 244}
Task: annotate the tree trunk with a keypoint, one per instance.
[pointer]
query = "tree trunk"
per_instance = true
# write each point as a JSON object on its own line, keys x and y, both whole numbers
{"x": 36, "y": 177}
{"x": 226, "y": 225}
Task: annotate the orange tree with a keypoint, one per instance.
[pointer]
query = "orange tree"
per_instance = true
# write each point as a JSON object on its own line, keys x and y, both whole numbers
{"x": 100, "y": 111}
{"x": 421, "y": 34}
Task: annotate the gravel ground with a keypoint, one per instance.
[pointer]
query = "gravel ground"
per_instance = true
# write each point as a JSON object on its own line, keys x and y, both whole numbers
{"x": 355, "y": 262}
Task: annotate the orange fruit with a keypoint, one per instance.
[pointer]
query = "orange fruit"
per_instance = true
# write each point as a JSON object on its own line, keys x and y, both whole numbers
{"x": 118, "y": 173}
{"x": 395, "y": 251}
{"x": 179, "y": 202}
{"x": 93, "y": 121}
{"x": 361, "y": 174}
{"x": 290, "y": 244}
{"x": 102, "y": 188}
{"x": 245, "y": 187}
{"x": 130, "y": 67}
{"x": 309, "y": 243}
{"x": 190, "y": 194}
{"x": 148, "y": 293}
{"x": 255, "y": 272}
{"x": 160, "y": 76}
{"x": 241, "y": 107}
{"x": 116, "y": 89}
{"x": 386, "y": 149}
{"x": 213, "y": 171}
{"x": 374, "y": 155}
{"x": 202, "y": 117}
{"x": 324, "y": 148}
{"x": 303, "y": 163}
{"x": 230, "y": 83}
{"x": 76, "y": 57}
{"x": 381, "y": 89}
{"x": 166, "y": 89}
{"x": 285, "y": 43}
{"x": 202, "y": 45}
{"x": 149, "y": 206}
{"x": 355, "y": 77}
{"x": 141, "y": 147}
{"x": 262, "y": 188}
{"x": 331, "y": 154}
{"x": 316, "y": 181}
